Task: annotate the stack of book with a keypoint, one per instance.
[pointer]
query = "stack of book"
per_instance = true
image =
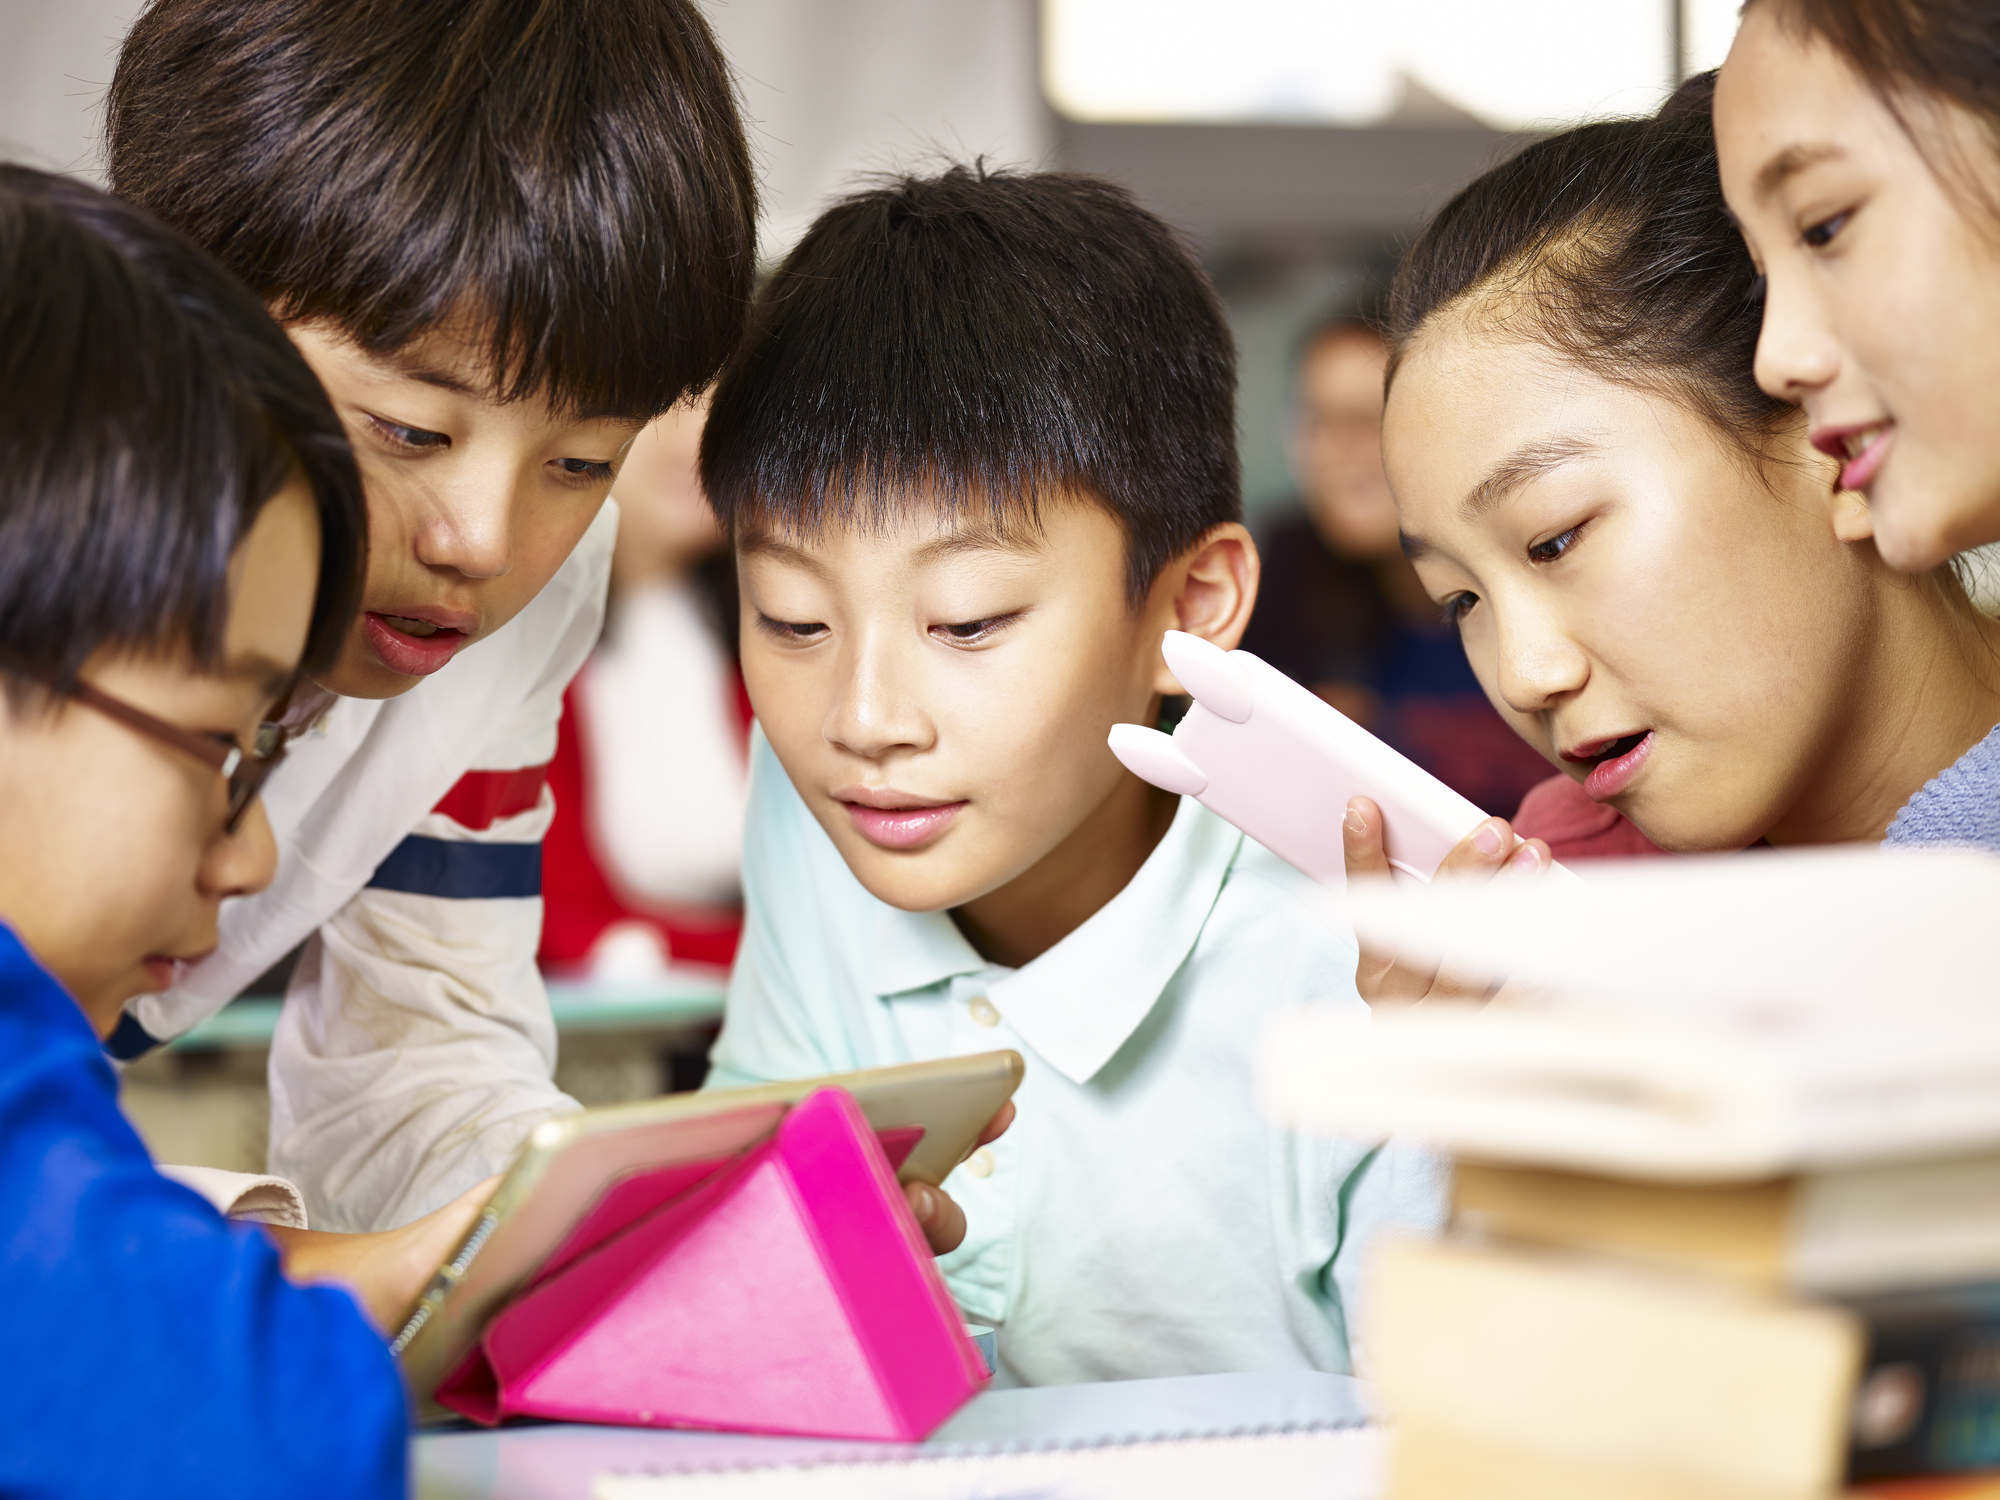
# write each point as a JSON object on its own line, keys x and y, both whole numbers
{"x": 1742, "y": 1245}
{"x": 1591, "y": 1336}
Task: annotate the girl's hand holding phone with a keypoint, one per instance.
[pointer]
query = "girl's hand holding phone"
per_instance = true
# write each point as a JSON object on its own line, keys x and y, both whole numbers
{"x": 1488, "y": 852}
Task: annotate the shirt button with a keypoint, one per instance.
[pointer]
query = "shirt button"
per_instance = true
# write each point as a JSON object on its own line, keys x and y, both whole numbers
{"x": 980, "y": 1163}
{"x": 983, "y": 1011}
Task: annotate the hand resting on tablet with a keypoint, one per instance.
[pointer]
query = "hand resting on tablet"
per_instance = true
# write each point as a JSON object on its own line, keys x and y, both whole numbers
{"x": 387, "y": 1270}
{"x": 941, "y": 1219}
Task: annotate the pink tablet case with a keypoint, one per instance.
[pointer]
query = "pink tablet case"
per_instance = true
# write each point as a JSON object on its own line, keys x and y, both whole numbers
{"x": 788, "y": 1290}
{"x": 1280, "y": 762}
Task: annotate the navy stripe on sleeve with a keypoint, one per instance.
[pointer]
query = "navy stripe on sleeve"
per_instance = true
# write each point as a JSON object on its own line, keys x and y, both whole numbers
{"x": 460, "y": 871}
{"x": 128, "y": 1039}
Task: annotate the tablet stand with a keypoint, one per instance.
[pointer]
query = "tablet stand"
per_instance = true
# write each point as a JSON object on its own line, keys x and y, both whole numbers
{"x": 788, "y": 1290}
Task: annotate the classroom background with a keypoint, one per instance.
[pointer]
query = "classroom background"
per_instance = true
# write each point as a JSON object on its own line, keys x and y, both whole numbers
{"x": 1298, "y": 143}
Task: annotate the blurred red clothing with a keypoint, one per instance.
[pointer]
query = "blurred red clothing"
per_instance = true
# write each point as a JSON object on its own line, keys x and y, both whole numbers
{"x": 579, "y": 901}
{"x": 1560, "y": 813}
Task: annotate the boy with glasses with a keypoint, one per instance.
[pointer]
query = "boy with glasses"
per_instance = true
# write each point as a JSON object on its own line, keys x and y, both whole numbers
{"x": 147, "y": 404}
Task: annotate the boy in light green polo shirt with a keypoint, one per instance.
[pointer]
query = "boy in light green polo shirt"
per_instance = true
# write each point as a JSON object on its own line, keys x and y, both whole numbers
{"x": 976, "y": 458}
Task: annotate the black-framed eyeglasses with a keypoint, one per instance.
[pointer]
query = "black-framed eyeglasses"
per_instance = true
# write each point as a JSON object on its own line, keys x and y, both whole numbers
{"x": 245, "y": 774}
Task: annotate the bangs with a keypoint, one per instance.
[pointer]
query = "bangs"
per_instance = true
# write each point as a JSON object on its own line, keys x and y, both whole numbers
{"x": 149, "y": 407}
{"x": 570, "y": 174}
{"x": 1611, "y": 245}
{"x": 986, "y": 344}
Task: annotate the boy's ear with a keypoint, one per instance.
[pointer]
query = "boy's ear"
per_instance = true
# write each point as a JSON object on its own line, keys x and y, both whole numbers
{"x": 1208, "y": 591}
{"x": 1852, "y": 520}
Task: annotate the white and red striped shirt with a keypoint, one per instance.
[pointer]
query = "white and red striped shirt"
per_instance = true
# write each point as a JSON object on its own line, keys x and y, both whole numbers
{"x": 415, "y": 1051}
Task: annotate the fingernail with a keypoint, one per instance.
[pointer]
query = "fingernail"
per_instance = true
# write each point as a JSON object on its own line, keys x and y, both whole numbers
{"x": 1355, "y": 822}
{"x": 1487, "y": 839}
{"x": 1527, "y": 858}
{"x": 926, "y": 1205}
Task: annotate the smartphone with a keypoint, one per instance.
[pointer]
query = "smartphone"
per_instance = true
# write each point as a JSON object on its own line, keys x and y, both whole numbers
{"x": 582, "y": 1177}
{"x": 1280, "y": 763}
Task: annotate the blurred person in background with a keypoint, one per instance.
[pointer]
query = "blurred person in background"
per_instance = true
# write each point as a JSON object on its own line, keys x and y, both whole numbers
{"x": 1342, "y": 610}
{"x": 643, "y": 862}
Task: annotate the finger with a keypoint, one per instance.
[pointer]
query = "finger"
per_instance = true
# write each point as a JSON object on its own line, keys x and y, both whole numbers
{"x": 997, "y": 1126}
{"x": 942, "y": 1220}
{"x": 1458, "y": 979}
{"x": 1383, "y": 977}
{"x": 1482, "y": 853}
{"x": 1530, "y": 861}
{"x": 475, "y": 1197}
{"x": 1361, "y": 841}
{"x": 1380, "y": 976}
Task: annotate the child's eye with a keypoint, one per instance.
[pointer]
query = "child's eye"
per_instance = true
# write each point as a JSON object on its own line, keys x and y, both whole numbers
{"x": 592, "y": 469}
{"x": 791, "y": 630}
{"x": 1457, "y": 607}
{"x": 1555, "y": 546}
{"x": 1821, "y": 234}
{"x": 967, "y": 631}
{"x": 416, "y": 439}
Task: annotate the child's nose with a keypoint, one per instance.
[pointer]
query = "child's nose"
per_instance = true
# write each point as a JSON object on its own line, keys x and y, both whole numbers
{"x": 470, "y": 528}
{"x": 241, "y": 863}
{"x": 1538, "y": 664}
{"x": 1796, "y": 353}
{"x": 878, "y": 708}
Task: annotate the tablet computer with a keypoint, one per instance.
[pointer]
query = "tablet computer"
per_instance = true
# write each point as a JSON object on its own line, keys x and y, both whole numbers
{"x": 583, "y": 1177}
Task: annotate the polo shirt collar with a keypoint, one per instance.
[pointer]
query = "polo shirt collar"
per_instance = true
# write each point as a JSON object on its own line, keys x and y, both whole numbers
{"x": 914, "y": 950}
{"x": 1078, "y": 1003}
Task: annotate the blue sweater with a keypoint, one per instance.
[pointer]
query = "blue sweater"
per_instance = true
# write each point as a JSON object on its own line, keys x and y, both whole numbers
{"x": 147, "y": 1346}
{"x": 1961, "y": 805}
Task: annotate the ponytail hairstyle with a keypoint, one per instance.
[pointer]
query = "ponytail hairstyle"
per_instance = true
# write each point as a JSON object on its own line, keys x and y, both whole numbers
{"x": 1611, "y": 244}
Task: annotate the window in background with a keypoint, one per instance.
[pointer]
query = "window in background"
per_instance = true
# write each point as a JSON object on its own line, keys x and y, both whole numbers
{"x": 1358, "y": 62}
{"x": 1707, "y": 28}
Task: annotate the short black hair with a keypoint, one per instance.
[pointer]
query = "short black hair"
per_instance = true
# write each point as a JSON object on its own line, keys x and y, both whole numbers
{"x": 1616, "y": 240}
{"x": 567, "y": 178}
{"x": 987, "y": 339}
{"x": 149, "y": 407}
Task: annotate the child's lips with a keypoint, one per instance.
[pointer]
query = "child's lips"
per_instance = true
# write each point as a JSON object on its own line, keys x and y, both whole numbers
{"x": 164, "y": 970}
{"x": 1613, "y": 762}
{"x": 1861, "y": 447}
{"x": 414, "y": 645}
{"x": 896, "y": 820}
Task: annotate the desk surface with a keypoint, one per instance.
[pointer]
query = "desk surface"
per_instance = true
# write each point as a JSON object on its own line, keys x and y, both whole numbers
{"x": 558, "y": 1461}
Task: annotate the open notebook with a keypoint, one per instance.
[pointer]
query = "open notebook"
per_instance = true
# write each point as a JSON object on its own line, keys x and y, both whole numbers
{"x": 1117, "y": 1437}
{"x": 1328, "y": 1464}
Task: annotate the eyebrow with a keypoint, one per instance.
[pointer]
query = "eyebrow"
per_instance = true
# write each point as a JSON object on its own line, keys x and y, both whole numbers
{"x": 981, "y": 539}
{"x": 1529, "y": 461}
{"x": 439, "y": 378}
{"x": 966, "y": 539}
{"x": 1789, "y": 163}
{"x": 444, "y": 380}
{"x": 763, "y": 544}
{"x": 411, "y": 365}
